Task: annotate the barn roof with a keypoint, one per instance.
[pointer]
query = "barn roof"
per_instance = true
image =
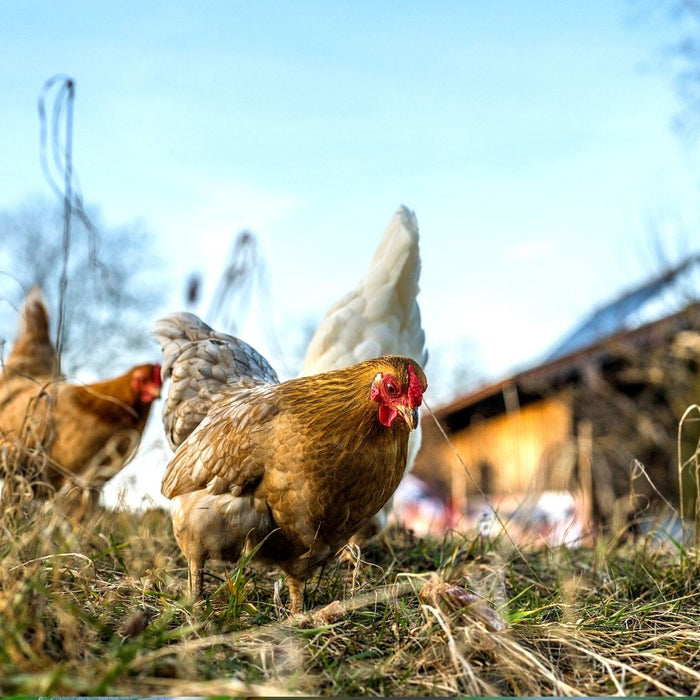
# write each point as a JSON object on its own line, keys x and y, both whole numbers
{"x": 657, "y": 298}
{"x": 609, "y": 332}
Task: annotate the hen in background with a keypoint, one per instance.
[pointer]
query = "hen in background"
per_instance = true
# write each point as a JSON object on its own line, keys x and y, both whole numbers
{"x": 66, "y": 435}
{"x": 285, "y": 471}
{"x": 379, "y": 317}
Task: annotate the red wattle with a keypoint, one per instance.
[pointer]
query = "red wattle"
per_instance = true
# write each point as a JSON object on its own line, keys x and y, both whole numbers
{"x": 387, "y": 415}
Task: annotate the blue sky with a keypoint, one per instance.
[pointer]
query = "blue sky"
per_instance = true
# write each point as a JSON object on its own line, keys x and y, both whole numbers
{"x": 532, "y": 140}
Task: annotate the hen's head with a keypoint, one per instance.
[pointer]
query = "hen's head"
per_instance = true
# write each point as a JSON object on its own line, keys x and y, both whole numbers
{"x": 398, "y": 389}
{"x": 146, "y": 382}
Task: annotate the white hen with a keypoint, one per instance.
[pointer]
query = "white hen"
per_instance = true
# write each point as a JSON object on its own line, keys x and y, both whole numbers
{"x": 379, "y": 317}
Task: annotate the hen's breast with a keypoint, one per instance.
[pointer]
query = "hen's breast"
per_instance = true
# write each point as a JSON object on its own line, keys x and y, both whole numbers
{"x": 319, "y": 498}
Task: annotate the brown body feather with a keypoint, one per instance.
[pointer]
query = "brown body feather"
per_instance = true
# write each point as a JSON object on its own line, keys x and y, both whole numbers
{"x": 91, "y": 416}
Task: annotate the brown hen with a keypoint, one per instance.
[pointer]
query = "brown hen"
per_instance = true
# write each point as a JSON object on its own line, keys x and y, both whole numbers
{"x": 66, "y": 434}
{"x": 292, "y": 469}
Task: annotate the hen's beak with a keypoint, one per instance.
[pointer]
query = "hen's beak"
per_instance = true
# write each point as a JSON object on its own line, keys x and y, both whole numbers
{"x": 409, "y": 414}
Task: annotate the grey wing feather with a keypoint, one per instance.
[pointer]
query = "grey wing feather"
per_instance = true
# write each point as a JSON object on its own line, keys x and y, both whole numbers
{"x": 200, "y": 362}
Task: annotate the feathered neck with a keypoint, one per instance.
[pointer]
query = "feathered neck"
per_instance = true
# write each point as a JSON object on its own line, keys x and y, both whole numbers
{"x": 113, "y": 398}
{"x": 340, "y": 398}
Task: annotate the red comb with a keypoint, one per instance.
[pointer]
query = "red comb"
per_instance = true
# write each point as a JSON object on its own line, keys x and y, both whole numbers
{"x": 157, "y": 379}
{"x": 415, "y": 389}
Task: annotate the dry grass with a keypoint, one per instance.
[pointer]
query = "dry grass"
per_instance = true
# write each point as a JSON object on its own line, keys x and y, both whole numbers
{"x": 96, "y": 609}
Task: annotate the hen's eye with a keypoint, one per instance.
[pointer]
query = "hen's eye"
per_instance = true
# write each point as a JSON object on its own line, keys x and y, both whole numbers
{"x": 391, "y": 389}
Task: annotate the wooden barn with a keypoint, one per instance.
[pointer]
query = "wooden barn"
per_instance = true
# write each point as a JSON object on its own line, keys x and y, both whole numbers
{"x": 598, "y": 418}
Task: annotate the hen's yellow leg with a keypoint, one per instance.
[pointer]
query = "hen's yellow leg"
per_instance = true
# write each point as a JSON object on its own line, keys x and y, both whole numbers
{"x": 296, "y": 594}
{"x": 195, "y": 580}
